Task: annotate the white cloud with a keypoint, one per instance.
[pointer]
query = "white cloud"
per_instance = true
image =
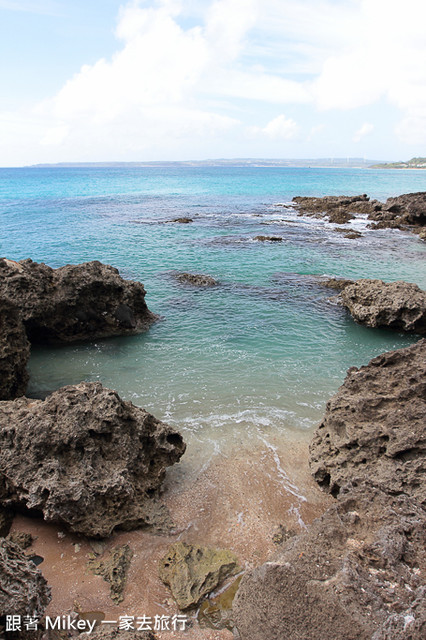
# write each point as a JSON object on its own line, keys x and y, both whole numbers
{"x": 363, "y": 131}
{"x": 280, "y": 128}
{"x": 170, "y": 84}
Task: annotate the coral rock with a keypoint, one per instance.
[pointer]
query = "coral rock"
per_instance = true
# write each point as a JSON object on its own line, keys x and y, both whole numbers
{"x": 192, "y": 572}
{"x": 23, "y": 590}
{"x": 84, "y": 457}
{"x": 396, "y": 305}
{"x": 14, "y": 352}
{"x": 75, "y": 302}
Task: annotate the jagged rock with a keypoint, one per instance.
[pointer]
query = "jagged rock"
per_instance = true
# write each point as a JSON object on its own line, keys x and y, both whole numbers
{"x": 23, "y": 590}
{"x": 336, "y": 283}
{"x": 75, "y": 302}
{"x": 192, "y": 572}
{"x": 6, "y": 519}
{"x": 14, "y": 352}
{"x": 374, "y": 427}
{"x": 269, "y": 238}
{"x": 196, "y": 279}
{"x": 396, "y": 305}
{"x": 407, "y": 209}
{"x": 114, "y": 570}
{"x": 355, "y": 574}
{"x": 338, "y": 209}
{"x": 22, "y": 539}
{"x": 84, "y": 457}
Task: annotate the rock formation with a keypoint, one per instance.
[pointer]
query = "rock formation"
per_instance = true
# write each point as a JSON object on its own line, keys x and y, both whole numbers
{"x": 113, "y": 570}
{"x": 196, "y": 279}
{"x": 374, "y": 427}
{"x": 269, "y": 238}
{"x": 396, "y": 305}
{"x": 14, "y": 352}
{"x": 192, "y": 572}
{"x": 338, "y": 209}
{"x": 84, "y": 457}
{"x": 75, "y": 302}
{"x": 357, "y": 572}
{"x": 23, "y": 590}
{"x": 354, "y": 575}
{"x": 407, "y": 209}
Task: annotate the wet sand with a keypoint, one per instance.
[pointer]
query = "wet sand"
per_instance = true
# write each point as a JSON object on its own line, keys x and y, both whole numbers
{"x": 246, "y": 501}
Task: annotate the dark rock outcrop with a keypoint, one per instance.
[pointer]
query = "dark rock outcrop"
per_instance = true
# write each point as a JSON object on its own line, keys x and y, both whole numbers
{"x": 269, "y": 238}
{"x": 192, "y": 572}
{"x": 183, "y": 220}
{"x": 408, "y": 209}
{"x": 358, "y": 572}
{"x": 14, "y": 352}
{"x": 75, "y": 302}
{"x": 338, "y": 209}
{"x": 84, "y": 457}
{"x": 374, "y": 427}
{"x": 23, "y": 590}
{"x": 6, "y": 519}
{"x": 396, "y": 305}
{"x": 196, "y": 279}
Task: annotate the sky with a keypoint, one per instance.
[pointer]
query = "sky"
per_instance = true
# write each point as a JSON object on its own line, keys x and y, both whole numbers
{"x": 146, "y": 80}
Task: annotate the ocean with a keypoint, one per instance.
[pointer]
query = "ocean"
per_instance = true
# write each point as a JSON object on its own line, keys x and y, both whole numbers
{"x": 258, "y": 355}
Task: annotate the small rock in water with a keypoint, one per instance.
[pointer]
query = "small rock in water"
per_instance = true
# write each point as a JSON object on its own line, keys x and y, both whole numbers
{"x": 196, "y": 279}
{"x": 268, "y": 238}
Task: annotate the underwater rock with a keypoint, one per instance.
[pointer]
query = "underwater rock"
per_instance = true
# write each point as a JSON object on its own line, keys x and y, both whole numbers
{"x": 74, "y": 302}
{"x": 196, "y": 279}
{"x": 14, "y": 352}
{"x": 113, "y": 569}
{"x": 374, "y": 427}
{"x": 86, "y": 458}
{"x": 192, "y": 572}
{"x": 182, "y": 220}
{"x": 395, "y": 305}
{"x": 23, "y": 589}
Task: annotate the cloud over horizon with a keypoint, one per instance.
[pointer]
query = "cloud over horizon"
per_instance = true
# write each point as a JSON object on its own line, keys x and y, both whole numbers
{"x": 186, "y": 83}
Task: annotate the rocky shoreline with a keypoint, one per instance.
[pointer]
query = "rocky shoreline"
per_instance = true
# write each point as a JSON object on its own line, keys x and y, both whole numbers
{"x": 85, "y": 464}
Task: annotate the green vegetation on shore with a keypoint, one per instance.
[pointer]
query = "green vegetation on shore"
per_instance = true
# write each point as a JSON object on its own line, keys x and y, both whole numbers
{"x": 414, "y": 163}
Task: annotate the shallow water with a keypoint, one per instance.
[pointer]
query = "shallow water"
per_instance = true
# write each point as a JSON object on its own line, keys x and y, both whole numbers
{"x": 260, "y": 353}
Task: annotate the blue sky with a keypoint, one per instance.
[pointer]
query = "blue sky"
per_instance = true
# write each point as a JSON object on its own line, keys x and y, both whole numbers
{"x": 195, "y": 79}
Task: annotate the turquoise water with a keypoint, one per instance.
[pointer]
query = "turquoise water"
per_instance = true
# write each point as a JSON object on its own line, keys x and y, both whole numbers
{"x": 261, "y": 352}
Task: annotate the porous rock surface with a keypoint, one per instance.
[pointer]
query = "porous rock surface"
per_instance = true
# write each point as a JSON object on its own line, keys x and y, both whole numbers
{"x": 113, "y": 568}
{"x": 354, "y": 575}
{"x": 192, "y": 571}
{"x": 358, "y": 572}
{"x": 396, "y": 305}
{"x": 375, "y": 426}
{"x": 23, "y": 590}
{"x": 85, "y": 458}
{"x": 14, "y": 352}
{"x": 74, "y": 302}
{"x": 196, "y": 279}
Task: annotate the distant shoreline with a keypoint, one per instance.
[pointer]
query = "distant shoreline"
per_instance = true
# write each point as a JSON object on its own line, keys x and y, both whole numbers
{"x": 319, "y": 163}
